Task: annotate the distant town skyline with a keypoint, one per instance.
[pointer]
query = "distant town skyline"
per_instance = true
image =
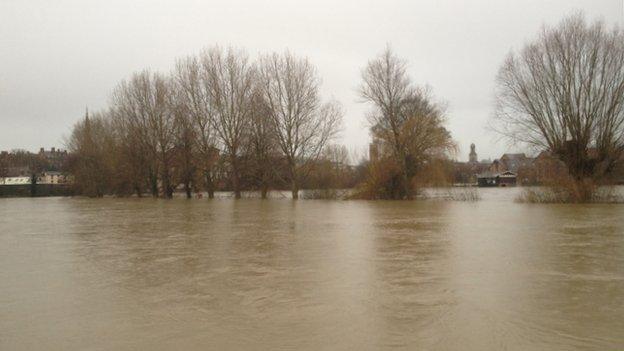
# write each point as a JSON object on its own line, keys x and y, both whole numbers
{"x": 59, "y": 58}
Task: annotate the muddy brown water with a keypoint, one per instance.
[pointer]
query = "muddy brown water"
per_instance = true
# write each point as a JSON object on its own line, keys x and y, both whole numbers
{"x": 144, "y": 274}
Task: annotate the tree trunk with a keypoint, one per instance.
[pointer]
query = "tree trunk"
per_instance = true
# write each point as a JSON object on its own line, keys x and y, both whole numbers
{"x": 295, "y": 189}
{"x": 33, "y": 185}
{"x": 407, "y": 187}
{"x": 154, "y": 184}
{"x": 264, "y": 191}
{"x": 294, "y": 185}
{"x": 187, "y": 189}
{"x": 167, "y": 190}
{"x": 209, "y": 185}
{"x": 166, "y": 182}
{"x": 235, "y": 178}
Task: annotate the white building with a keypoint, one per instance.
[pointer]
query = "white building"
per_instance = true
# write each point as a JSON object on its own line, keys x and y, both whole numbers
{"x": 14, "y": 180}
{"x": 51, "y": 177}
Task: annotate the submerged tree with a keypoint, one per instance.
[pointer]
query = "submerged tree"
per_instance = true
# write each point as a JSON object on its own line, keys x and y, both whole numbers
{"x": 143, "y": 106}
{"x": 193, "y": 95}
{"x": 229, "y": 79}
{"x": 92, "y": 150}
{"x": 301, "y": 123}
{"x": 185, "y": 146}
{"x": 564, "y": 92}
{"x": 166, "y": 130}
{"x": 261, "y": 145}
{"x": 406, "y": 124}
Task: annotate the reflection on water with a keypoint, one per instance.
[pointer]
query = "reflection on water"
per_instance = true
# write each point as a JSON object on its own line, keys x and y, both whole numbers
{"x": 252, "y": 274}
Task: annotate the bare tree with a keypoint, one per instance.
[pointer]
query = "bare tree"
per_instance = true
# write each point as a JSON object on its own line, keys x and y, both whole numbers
{"x": 185, "y": 146}
{"x": 193, "y": 93}
{"x": 91, "y": 145}
{"x": 229, "y": 80}
{"x": 405, "y": 120}
{"x": 133, "y": 162}
{"x": 261, "y": 145}
{"x": 302, "y": 124}
{"x": 4, "y": 164}
{"x": 564, "y": 92}
{"x": 143, "y": 105}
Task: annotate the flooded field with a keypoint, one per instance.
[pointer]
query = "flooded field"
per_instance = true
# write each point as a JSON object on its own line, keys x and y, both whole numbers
{"x": 145, "y": 274}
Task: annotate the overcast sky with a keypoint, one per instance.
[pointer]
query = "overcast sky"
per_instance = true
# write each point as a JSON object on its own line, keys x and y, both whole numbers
{"x": 56, "y": 57}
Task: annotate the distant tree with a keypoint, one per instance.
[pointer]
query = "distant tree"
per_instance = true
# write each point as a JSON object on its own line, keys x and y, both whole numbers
{"x": 184, "y": 152}
{"x": 564, "y": 92}
{"x": 406, "y": 122}
{"x": 4, "y": 164}
{"x": 302, "y": 124}
{"x": 91, "y": 149}
{"x": 193, "y": 95}
{"x": 261, "y": 145}
{"x": 332, "y": 170}
{"x": 229, "y": 78}
{"x": 133, "y": 158}
{"x": 144, "y": 106}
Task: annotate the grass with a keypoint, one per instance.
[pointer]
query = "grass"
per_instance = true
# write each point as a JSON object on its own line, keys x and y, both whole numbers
{"x": 562, "y": 194}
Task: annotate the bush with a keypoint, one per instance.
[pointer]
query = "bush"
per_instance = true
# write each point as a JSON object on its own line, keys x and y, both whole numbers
{"x": 384, "y": 182}
{"x": 568, "y": 190}
{"x": 326, "y": 194}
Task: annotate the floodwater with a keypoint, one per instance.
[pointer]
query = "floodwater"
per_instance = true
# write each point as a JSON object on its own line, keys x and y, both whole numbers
{"x": 145, "y": 274}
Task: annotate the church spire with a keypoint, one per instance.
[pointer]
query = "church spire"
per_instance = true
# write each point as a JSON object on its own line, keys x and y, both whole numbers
{"x": 472, "y": 157}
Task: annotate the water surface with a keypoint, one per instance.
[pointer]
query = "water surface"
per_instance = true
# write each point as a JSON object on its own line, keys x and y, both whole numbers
{"x": 144, "y": 274}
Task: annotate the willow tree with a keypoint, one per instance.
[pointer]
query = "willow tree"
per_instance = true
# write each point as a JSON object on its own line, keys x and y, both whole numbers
{"x": 406, "y": 123}
{"x": 301, "y": 122}
{"x": 564, "y": 92}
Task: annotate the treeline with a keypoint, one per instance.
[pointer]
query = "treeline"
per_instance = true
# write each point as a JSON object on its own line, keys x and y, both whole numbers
{"x": 218, "y": 120}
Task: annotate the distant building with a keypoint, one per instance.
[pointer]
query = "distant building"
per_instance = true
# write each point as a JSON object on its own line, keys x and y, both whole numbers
{"x": 511, "y": 162}
{"x": 54, "y": 158}
{"x": 504, "y": 179}
{"x": 465, "y": 173}
{"x": 52, "y": 177}
{"x": 472, "y": 156}
{"x": 14, "y": 180}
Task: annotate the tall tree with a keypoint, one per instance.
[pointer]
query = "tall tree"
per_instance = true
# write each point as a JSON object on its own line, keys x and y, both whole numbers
{"x": 193, "y": 94}
{"x": 229, "y": 78}
{"x": 302, "y": 124}
{"x": 144, "y": 105}
{"x": 185, "y": 145}
{"x": 91, "y": 145}
{"x": 405, "y": 121}
{"x": 261, "y": 145}
{"x": 564, "y": 92}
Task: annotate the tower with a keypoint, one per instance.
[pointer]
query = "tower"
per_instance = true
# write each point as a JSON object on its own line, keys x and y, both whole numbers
{"x": 472, "y": 157}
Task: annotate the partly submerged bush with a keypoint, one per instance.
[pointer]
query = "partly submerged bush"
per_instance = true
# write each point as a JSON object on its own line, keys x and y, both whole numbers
{"x": 452, "y": 194}
{"x": 384, "y": 181}
{"x": 326, "y": 194}
{"x": 567, "y": 190}
{"x": 463, "y": 194}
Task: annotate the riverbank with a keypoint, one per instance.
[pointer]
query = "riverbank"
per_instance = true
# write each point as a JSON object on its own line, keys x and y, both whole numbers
{"x": 37, "y": 190}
